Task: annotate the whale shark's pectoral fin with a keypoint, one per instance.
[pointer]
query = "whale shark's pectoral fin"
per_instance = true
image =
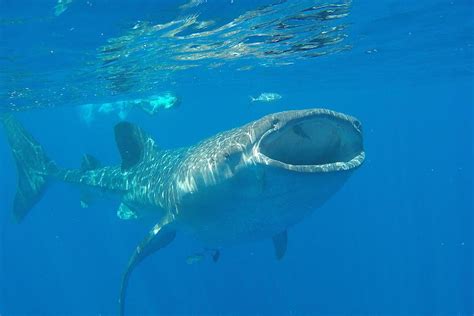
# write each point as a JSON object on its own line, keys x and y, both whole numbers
{"x": 280, "y": 241}
{"x": 160, "y": 236}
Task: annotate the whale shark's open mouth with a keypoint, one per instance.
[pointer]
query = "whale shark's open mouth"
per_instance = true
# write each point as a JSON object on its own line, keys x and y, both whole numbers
{"x": 313, "y": 141}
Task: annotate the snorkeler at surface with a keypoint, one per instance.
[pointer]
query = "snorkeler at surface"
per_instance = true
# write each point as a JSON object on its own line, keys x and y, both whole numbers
{"x": 150, "y": 105}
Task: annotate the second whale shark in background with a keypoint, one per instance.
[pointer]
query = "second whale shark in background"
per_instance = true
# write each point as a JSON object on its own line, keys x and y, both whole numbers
{"x": 248, "y": 183}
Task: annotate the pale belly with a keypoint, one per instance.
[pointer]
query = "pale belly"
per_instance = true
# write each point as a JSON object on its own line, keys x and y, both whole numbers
{"x": 233, "y": 224}
{"x": 240, "y": 214}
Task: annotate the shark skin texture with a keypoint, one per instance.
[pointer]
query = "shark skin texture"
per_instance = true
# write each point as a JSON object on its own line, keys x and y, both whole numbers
{"x": 249, "y": 183}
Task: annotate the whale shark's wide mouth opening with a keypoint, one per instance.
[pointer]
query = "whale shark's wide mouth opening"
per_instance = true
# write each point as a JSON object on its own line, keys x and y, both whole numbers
{"x": 319, "y": 141}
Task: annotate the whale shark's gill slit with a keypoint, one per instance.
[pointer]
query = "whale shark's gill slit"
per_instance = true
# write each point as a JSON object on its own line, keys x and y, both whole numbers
{"x": 313, "y": 140}
{"x": 298, "y": 130}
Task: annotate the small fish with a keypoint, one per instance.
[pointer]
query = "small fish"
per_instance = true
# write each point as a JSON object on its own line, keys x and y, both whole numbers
{"x": 197, "y": 257}
{"x": 245, "y": 68}
{"x": 266, "y": 97}
{"x": 192, "y": 4}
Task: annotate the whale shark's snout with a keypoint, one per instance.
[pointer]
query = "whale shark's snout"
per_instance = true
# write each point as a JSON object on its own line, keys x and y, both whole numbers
{"x": 316, "y": 140}
{"x": 301, "y": 141}
{"x": 260, "y": 179}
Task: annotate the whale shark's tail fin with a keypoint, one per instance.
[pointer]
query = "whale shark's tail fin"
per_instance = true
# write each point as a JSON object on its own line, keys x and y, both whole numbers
{"x": 32, "y": 164}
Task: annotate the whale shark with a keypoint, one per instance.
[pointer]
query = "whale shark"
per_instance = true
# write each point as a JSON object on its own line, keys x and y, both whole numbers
{"x": 249, "y": 183}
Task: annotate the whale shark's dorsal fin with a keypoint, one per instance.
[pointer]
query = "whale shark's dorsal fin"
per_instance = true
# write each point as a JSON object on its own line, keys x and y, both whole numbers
{"x": 280, "y": 241}
{"x": 134, "y": 145}
{"x": 160, "y": 236}
{"x": 89, "y": 162}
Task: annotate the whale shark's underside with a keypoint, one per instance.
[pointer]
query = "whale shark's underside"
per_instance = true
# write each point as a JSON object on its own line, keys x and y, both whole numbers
{"x": 248, "y": 183}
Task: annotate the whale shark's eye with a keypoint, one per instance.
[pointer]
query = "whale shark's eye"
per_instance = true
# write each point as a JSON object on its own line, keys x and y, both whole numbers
{"x": 275, "y": 122}
{"x": 357, "y": 125}
{"x": 226, "y": 156}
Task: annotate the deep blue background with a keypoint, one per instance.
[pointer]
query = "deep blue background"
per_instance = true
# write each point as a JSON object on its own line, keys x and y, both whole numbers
{"x": 397, "y": 239}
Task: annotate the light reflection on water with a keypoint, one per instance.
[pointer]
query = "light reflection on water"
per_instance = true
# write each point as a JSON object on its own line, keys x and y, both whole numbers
{"x": 149, "y": 55}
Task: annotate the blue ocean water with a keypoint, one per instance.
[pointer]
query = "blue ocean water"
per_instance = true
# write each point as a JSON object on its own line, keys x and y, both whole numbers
{"x": 397, "y": 239}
